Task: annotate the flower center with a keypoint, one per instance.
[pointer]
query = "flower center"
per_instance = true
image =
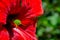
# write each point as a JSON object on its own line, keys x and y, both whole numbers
{"x": 17, "y": 22}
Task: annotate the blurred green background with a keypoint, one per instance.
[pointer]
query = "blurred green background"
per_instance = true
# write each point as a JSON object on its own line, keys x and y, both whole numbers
{"x": 48, "y": 26}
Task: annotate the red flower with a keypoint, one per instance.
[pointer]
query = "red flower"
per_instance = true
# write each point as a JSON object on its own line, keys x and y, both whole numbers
{"x": 26, "y": 11}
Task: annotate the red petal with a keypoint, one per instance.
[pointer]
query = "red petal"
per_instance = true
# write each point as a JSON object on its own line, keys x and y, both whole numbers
{"x": 3, "y": 13}
{"x": 26, "y": 21}
{"x": 4, "y": 34}
{"x": 31, "y": 8}
{"x": 36, "y": 8}
{"x": 7, "y": 3}
{"x": 20, "y": 34}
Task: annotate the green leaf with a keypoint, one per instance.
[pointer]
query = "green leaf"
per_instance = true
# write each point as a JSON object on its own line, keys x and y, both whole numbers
{"x": 40, "y": 31}
{"x": 58, "y": 9}
{"x": 53, "y": 19}
{"x": 49, "y": 29}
